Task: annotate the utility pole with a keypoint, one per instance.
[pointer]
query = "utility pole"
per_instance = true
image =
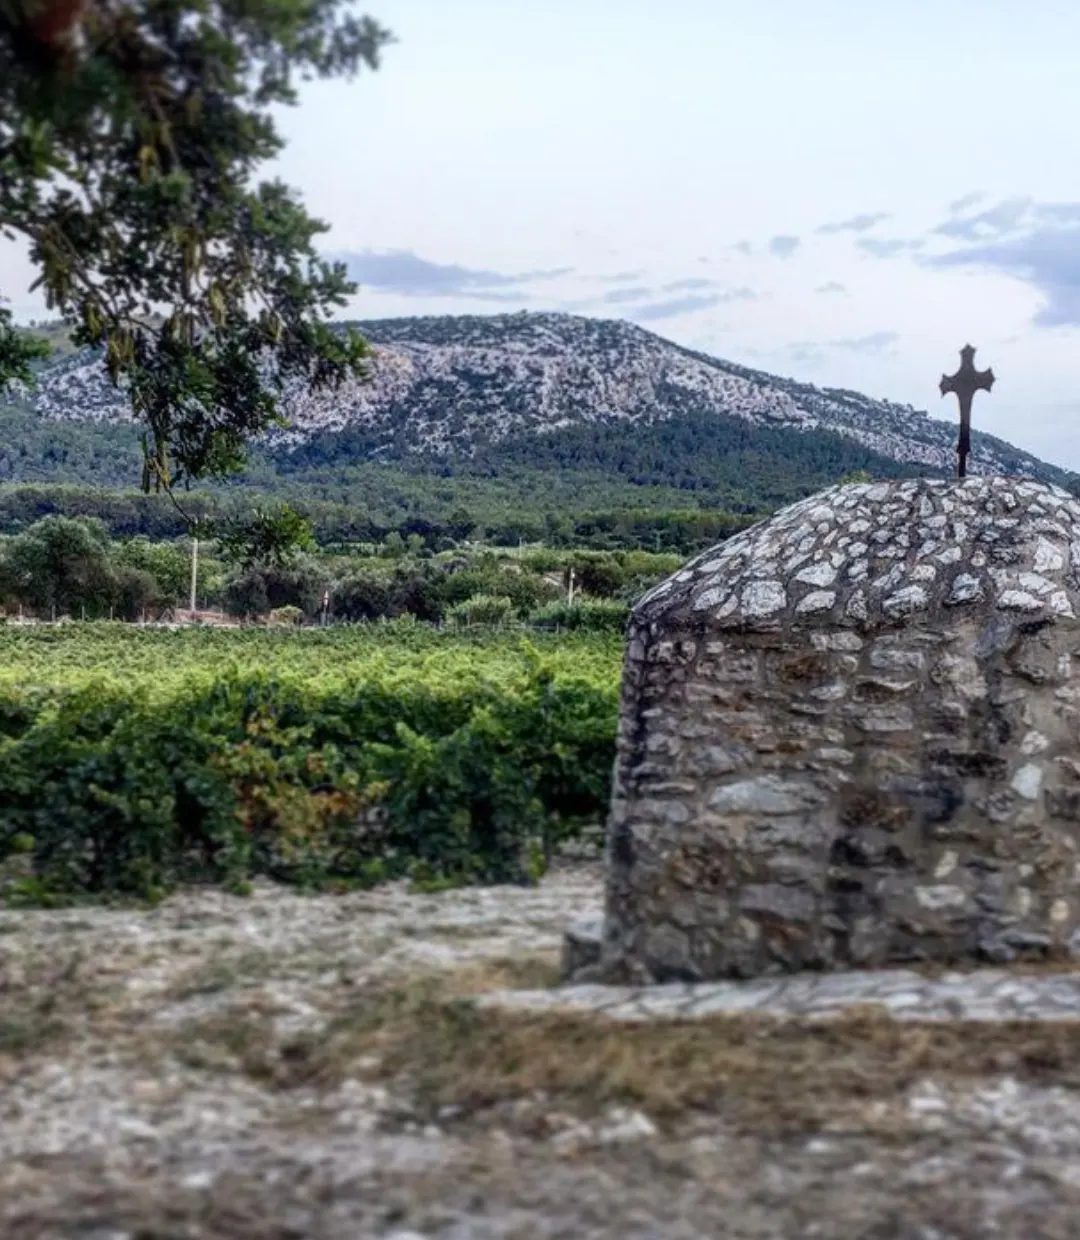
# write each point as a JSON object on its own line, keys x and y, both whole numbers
{"x": 194, "y": 574}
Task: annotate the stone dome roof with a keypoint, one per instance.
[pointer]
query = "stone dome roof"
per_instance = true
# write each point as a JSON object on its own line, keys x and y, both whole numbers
{"x": 871, "y": 554}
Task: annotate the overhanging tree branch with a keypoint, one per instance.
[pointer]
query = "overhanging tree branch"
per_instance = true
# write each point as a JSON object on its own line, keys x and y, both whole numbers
{"x": 128, "y": 158}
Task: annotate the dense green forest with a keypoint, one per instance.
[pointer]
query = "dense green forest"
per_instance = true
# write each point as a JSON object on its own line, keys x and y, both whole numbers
{"x": 36, "y": 449}
{"x": 496, "y": 519}
{"x": 675, "y": 485}
{"x": 737, "y": 465}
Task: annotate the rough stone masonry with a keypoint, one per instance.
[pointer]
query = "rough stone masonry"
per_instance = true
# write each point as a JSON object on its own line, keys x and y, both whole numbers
{"x": 850, "y": 737}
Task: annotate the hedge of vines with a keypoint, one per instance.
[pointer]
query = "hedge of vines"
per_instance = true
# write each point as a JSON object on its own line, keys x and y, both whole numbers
{"x": 134, "y": 760}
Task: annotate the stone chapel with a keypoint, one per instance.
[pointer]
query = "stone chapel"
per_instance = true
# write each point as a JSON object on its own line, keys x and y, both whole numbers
{"x": 850, "y": 737}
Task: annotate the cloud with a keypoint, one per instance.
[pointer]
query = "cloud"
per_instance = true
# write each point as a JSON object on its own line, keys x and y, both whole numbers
{"x": 694, "y": 282}
{"x": 619, "y": 296}
{"x": 857, "y": 223}
{"x": 875, "y": 342}
{"x": 1048, "y": 259}
{"x": 1036, "y": 243}
{"x": 783, "y": 247}
{"x": 676, "y": 306}
{"x": 964, "y": 201}
{"x": 1059, "y": 212}
{"x": 812, "y": 351}
{"x": 409, "y": 275}
{"x": 888, "y": 247}
{"x": 739, "y": 294}
{"x": 995, "y": 221}
{"x": 744, "y": 247}
{"x": 621, "y": 277}
{"x": 832, "y": 286}
{"x": 807, "y": 352}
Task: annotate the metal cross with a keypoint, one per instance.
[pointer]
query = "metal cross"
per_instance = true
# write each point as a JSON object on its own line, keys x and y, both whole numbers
{"x": 965, "y": 383}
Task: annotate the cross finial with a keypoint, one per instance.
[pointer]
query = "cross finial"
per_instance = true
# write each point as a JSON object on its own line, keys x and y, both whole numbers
{"x": 965, "y": 383}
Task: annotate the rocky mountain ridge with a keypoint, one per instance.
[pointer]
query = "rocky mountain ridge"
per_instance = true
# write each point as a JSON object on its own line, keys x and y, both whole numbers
{"x": 454, "y": 383}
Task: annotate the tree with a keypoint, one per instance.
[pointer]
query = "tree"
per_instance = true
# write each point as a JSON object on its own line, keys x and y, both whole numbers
{"x": 268, "y": 537}
{"x": 362, "y": 596}
{"x": 60, "y": 565}
{"x": 461, "y": 524}
{"x": 268, "y": 587}
{"x": 394, "y": 547}
{"x": 131, "y": 132}
{"x": 137, "y": 592}
{"x": 18, "y": 352}
{"x": 169, "y": 564}
{"x": 600, "y": 577}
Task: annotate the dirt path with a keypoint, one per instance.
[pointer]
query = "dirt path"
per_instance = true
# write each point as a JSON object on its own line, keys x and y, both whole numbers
{"x": 288, "y": 1068}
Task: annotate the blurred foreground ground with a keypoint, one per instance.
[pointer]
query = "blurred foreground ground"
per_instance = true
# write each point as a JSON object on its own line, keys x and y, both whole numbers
{"x": 282, "y": 1067}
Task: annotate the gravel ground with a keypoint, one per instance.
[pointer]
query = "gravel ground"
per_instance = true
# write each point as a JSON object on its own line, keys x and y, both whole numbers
{"x": 157, "y": 1082}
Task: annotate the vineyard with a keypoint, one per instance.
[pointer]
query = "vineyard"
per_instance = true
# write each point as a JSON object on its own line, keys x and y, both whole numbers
{"x": 134, "y": 759}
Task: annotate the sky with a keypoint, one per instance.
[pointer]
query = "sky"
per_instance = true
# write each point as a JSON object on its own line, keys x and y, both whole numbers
{"x": 841, "y": 192}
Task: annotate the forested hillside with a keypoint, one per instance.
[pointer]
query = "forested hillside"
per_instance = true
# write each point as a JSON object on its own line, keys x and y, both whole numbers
{"x": 525, "y": 427}
{"x": 456, "y": 385}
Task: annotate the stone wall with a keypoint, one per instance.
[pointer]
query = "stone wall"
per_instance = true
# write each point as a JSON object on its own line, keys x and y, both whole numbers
{"x": 875, "y": 789}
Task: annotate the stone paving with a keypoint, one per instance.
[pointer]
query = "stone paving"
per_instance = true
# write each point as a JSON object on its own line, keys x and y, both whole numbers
{"x": 978, "y": 995}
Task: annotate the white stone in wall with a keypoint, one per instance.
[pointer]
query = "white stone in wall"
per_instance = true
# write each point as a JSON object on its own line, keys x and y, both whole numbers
{"x": 1035, "y": 582}
{"x": 763, "y": 598}
{"x": 1048, "y": 558}
{"x": 856, "y": 607}
{"x": 817, "y": 575}
{"x": 965, "y": 589}
{"x": 816, "y": 600}
{"x": 709, "y": 598}
{"x": 1033, "y": 742}
{"x": 1027, "y": 782}
{"x": 904, "y": 602}
{"x": 1018, "y": 600}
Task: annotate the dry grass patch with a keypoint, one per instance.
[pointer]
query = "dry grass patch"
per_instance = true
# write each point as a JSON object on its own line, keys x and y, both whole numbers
{"x": 240, "y": 1037}
{"x": 539, "y": 972}
{"x": 239, "y": 1040}
{"x": 30, "y": 1030}
{"x": 761, "y": 1073}
{"x": 201, "y": 979}
{"x": 42, "y": 1002}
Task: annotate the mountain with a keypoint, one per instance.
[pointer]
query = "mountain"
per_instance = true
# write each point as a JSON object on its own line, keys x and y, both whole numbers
{"x": 473, "y": 386}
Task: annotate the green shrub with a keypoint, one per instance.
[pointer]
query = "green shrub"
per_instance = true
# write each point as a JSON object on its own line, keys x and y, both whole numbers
{"x": 589, "y": 615}
{"x": 483, "y": 609}
{"x": 136, "y": 593}
{"x": 525, "y": 590}
{"x": 268, "y": 587}
{"x": 286, "y": 616}
{"x": 599, "y": 575}
{"x": 362, "y": 596}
